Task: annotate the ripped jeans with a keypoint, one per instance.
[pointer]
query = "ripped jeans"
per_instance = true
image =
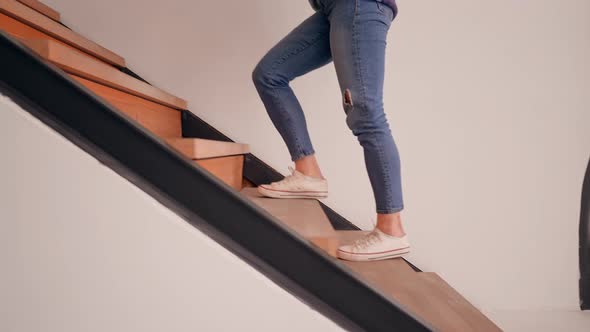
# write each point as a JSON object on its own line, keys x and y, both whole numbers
{"x": 352, "y": 34}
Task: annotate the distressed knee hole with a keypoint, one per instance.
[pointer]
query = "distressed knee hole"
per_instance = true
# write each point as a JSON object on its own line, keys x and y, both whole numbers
{"x": 351, "y": 117}
{"x": 347, "y": 97}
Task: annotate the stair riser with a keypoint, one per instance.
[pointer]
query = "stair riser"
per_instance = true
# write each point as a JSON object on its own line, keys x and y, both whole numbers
{"x": 165, "y": 122}
{"x": 161, "y": 120}
{"x": 162, "y": 123}
{"x": 228, "y": 169}
{"x": 80, "y": 64}
{"x": 196, "y": 148}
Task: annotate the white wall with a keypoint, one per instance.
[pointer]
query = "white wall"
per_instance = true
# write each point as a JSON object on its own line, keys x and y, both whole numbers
{"x": 488, "y": 102}
{"x": 85, "y": 250}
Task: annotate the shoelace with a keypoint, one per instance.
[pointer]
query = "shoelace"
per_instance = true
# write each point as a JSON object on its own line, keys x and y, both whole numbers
{"x": 366, "y": 241}
{"x": 289, "y": 178}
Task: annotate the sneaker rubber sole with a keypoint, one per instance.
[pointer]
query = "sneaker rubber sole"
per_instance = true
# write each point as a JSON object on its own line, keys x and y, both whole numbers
{"x": 365, "y": 257}
{"x": 274, "y": 193}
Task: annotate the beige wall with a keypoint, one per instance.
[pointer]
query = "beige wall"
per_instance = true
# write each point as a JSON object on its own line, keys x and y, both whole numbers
{"x": 488, "y": 101}
{"x": 82, "y": 249}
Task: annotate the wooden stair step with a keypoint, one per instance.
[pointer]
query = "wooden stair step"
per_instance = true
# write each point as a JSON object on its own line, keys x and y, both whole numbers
{"x": 470, "y": 314}
{"x": 225, "y": 160}
{"x": 198, "y": 148}
{"x": 80, "y": 64}
{"x": 228, "y": 169}
{"x": 19, "y": 29}
{"x": 304, "y": 216}
{"x": 34, "y": 19}
{"x": 161, "y": 120}
{"x": 420, "y": 297}
{"x": 42, "y": 8}
{"x": 427, "y": 301}
{"x": 166, "y": 123}
{"x": 424, "y": 294}
{"x": 428, "y": 297}
{"x": 331, "y": 242}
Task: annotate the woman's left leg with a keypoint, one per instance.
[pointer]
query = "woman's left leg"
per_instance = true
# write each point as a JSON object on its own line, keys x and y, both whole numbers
{"x": 358, "y": 32}
{"x": 304, "y": 49}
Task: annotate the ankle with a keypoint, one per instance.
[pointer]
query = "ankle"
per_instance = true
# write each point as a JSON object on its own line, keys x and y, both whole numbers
{"x": 390, "y": 224}
{"x": 308, "y": 166}
{"x": 392, "y": 231}
{"x": 316, "y": 176}
{"x": 310, "y": 172}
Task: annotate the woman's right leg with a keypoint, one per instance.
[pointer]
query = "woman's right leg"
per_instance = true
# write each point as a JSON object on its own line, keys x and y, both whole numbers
{"x": 305, "y": 48}
{"x": 359, "y": 37}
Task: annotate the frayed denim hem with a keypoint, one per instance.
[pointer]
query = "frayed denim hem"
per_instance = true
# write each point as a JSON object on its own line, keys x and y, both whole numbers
{"x": 303, "y": 153}
{"x": 389, "y": 211}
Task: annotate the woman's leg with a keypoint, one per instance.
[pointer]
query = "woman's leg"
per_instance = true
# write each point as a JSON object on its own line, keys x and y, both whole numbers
{"x": 358, "y": 31}
{"x": 304, "y": 49}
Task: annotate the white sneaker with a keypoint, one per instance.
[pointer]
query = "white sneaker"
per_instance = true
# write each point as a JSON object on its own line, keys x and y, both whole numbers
{"x": 375, "y": 246}
{"x": 296, "y": 185}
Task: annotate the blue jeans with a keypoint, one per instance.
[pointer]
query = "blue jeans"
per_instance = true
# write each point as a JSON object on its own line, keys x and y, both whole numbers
{"x": 352, "y": 34}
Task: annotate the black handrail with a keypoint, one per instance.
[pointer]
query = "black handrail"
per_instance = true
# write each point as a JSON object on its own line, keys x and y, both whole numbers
{"x": 194, "y": 194}
{"x": 585, "y": 243}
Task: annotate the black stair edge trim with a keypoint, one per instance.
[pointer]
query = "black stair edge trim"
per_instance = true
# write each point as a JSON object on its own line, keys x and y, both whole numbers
{"x": 257, "y": 171}
{"x": 248, "y": 231}
{"x": 584, "y": 254}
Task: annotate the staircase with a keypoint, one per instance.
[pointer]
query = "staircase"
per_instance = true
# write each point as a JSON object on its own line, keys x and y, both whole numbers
{"x": 98, "y": 69}
{"x": 102, "y": 72}
{"x": 424, "y": 293}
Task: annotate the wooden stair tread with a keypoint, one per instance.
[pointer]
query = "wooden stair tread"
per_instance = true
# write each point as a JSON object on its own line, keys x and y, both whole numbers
{"x": 19, "y": 29}
{"x": 42, "y": 8}
{"x": 166, "y": 122}
{"x": 423, "y": 299}
{"x": 472, "y": 316}
{"x": 47, "y": 25}
{"x": 198, "y": 148}
{"x": 304, "y": 216}
{"x": 80, "y": 64}
{"x": 228, "y": 169}
{"x": 424, "y": 294}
